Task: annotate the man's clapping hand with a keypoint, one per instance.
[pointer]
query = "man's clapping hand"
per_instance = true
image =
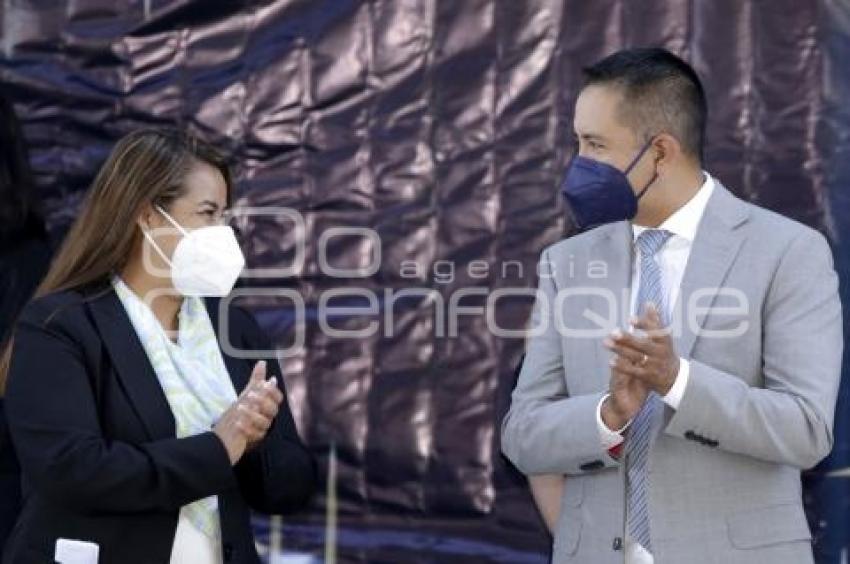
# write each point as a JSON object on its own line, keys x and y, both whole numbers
{"x": 639, "y": 364}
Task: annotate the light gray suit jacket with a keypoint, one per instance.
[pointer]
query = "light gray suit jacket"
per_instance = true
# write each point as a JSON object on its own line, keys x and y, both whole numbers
{"x": 725, "y": 466}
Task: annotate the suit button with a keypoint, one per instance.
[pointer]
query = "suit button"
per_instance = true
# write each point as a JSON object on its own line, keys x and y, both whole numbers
{"x": 595, "y": 465}
{"x": 618, "y": 543}
{"x": 227, "y": 552}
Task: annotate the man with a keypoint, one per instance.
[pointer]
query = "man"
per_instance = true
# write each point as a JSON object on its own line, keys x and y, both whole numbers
{"x": 685, "y": 354}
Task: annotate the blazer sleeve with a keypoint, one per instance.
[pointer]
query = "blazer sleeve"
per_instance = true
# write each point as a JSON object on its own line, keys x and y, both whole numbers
{"x": 64, "y": 456}
{"x": 279, "y": 474}
{"x": 547, "y": 430}
{"x": 790, "y": 419}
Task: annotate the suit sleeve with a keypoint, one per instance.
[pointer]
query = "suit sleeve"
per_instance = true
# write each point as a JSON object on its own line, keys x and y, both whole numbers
{"x": 53, "y": 421}
{"x": 789, "y": 420}
{"x": 279, "y": 474}
{"x": 546, "y": 430}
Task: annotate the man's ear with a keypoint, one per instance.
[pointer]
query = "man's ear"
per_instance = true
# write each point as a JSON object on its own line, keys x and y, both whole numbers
{"x": 667, "y": 150}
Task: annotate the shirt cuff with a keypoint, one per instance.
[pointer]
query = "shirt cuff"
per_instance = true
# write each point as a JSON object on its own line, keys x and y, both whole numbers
{"x": 607, "y": 437}
{"x": 677, "y": 390}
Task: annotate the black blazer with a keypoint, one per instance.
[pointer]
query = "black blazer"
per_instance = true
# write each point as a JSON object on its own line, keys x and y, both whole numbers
{"x": 10, "y": 482}
{"x": 24, "y": 259}
{"x": 96, "y": 442}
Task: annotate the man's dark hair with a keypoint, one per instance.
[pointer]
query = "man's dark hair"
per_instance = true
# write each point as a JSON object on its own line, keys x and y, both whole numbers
{"x": 661, "y": 93}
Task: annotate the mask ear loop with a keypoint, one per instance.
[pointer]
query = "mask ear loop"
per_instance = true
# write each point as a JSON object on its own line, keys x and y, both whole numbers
{"x": 648, "y": 184}
{"x": 171, "y": 220}
{"x": 153, "y": 243}
{"x": 155, "y": 246}
{"x": 635, "y": 161}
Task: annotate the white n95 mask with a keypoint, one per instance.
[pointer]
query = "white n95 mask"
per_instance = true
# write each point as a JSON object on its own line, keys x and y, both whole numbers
{"x": 206, "y": 262}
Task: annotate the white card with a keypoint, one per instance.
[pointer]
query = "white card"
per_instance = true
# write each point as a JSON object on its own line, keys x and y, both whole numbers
{"x": 69, "y": 551}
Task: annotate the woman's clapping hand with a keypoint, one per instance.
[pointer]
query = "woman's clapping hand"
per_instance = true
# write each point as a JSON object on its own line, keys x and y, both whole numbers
{"x": 246, "y": 422}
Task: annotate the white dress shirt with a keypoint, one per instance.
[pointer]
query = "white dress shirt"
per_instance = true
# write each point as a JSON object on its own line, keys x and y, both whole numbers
{"x": 192, "y": 545}
{"x": 672, "y": 259}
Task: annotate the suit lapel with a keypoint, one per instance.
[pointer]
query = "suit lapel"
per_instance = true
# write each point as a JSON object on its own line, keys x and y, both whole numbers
{"x": 614, "y": 248}
{"x": 135, "y": 372}
{"x": 714, "y": 249}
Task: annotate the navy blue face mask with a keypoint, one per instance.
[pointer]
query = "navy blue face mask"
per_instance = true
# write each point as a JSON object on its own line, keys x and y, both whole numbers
{"x": 599, "y": 193}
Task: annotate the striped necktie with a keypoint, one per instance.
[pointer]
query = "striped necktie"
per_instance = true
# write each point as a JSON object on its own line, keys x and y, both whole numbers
{"x": 640, "y": 436}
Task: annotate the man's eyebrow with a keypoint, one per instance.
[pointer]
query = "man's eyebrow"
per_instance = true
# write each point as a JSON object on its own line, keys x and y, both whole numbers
{"x": 590, "y": 137}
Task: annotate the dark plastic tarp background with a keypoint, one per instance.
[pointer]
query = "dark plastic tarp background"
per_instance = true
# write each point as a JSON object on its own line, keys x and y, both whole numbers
{"x": 441, "y": 125}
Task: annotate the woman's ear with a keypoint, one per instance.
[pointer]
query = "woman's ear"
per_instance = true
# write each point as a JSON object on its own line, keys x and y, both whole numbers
{"x": 147, "y": 218}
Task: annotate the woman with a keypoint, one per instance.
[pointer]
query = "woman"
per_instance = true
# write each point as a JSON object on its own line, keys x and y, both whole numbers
{"x": 24, "y": 257}
{"x": 123, "y": 410}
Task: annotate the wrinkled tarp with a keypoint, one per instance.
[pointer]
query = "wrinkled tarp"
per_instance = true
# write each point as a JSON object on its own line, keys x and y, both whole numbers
{"x": 440, "y": 126}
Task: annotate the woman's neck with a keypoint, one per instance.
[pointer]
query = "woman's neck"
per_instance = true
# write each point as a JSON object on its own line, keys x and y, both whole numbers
{"x": 158, "y": 293}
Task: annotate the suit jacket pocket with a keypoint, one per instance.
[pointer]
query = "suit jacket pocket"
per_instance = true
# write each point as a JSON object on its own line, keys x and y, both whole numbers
{"x": 573, "y": 491}
{"x": 568, "y": 528}
{"x": 568, "y": 532}
{"x": 768, "y": 525}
